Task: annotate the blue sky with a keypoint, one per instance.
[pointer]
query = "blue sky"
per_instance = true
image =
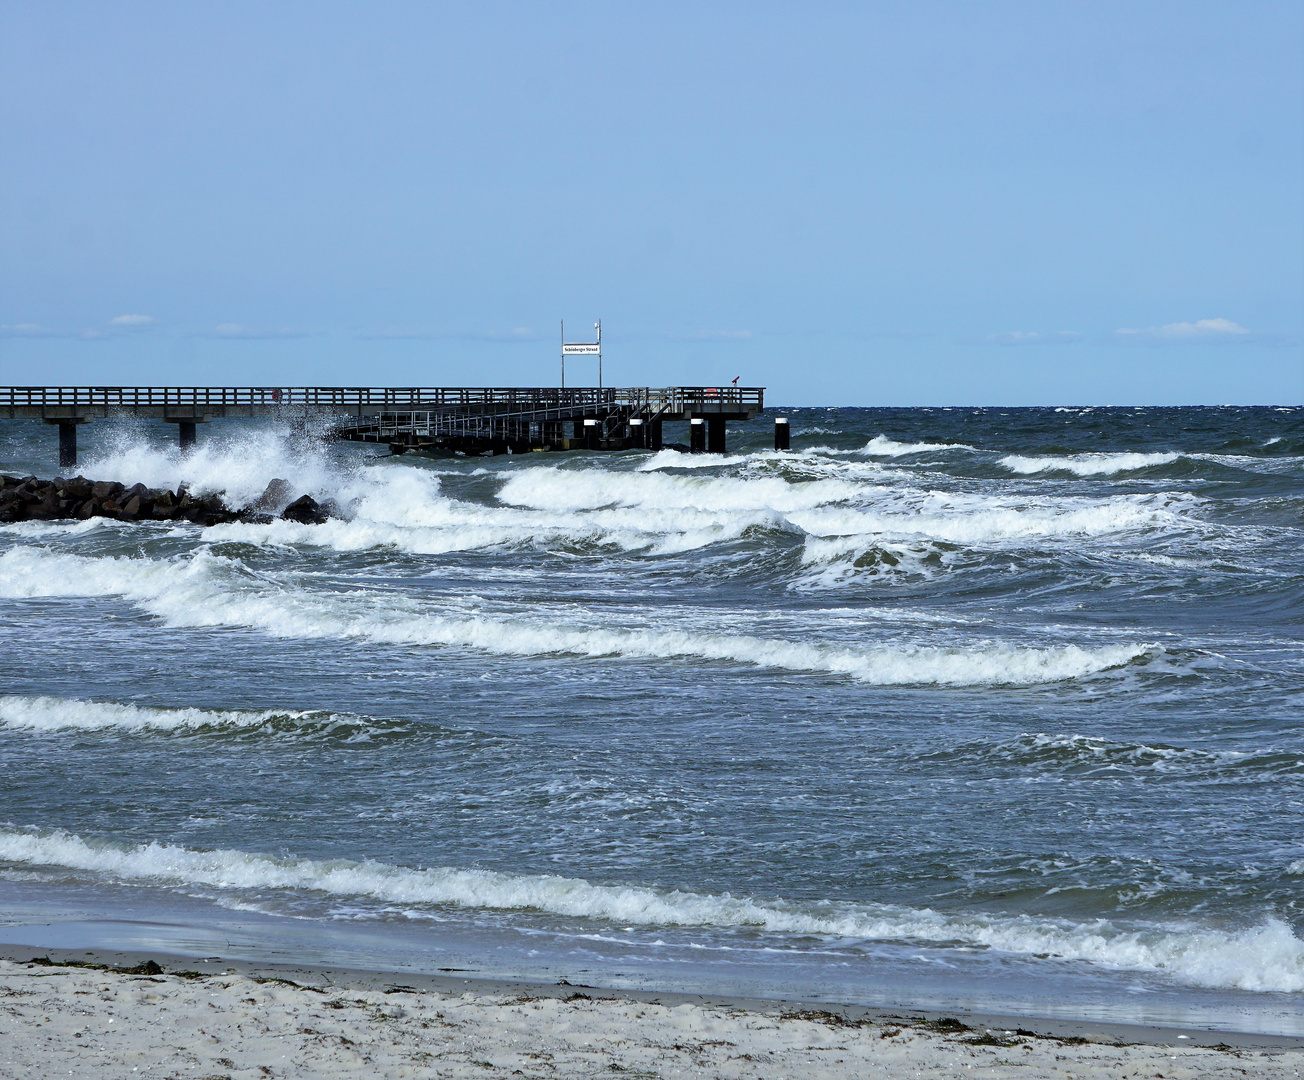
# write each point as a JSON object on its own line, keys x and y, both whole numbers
{"x": 897, "y": 204}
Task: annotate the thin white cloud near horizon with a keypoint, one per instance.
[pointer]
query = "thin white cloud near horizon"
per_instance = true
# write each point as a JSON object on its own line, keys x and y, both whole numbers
{"x": 253, "y": 333}
{"x": 132, "y": 320}
{"x": 1034, "y": 337}
{"x": 1201, "y": 329}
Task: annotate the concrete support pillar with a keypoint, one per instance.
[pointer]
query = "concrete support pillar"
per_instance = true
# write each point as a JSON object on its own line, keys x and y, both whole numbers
{"x": 781, "y": 441}
{"x": 67, "y": 444}
{"x": 654, "y": 439}
{"x": 592, "y": 432}
{"x": 186, "y": 434}
{"x": 715, "y": 435}
{"x": 67, "y": 438}
{"x": 697, "y": 436}
{"x": 637, "y": 434}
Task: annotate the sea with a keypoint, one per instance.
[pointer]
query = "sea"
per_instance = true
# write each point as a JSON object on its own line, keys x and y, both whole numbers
{"x": 995, "y": 709}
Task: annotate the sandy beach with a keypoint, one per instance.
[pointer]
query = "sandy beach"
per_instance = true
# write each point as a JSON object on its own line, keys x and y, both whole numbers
{"x": 61, "y": 1017}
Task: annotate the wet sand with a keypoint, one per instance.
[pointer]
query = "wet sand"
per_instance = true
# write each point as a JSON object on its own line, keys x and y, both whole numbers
{"x": 176, "y": 1018}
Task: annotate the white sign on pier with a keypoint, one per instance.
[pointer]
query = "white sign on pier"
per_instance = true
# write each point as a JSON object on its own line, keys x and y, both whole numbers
{"x": 581, "y": 348}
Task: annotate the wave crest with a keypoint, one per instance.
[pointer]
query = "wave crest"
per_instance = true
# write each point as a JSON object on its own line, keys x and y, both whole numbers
{"x": 50, "y": 714}
{"x": 1267, "y": 957}
{"x": 207, "y": 591}
{"x": 1086, "y": 464}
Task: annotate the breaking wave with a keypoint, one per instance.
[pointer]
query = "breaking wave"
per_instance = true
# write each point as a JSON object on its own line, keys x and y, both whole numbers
{"x": 1086, "y": 464}
{"x": 1266, "y": 957}
{"x": 239, "y": 463}
{"x": 52, "y": 714}
{"x": 1088, "y": 755}
{"x": 662, "y": 505}
{"x": 882, "y": 446}
{"x": 206, "y": 590}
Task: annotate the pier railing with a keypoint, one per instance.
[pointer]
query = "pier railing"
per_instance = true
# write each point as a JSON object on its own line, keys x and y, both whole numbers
{"x": 405, "y": 415}
{"x": 352, "y": 398}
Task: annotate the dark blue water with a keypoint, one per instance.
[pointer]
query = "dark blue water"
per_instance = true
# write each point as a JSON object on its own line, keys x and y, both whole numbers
{"x": 988, "y": 707}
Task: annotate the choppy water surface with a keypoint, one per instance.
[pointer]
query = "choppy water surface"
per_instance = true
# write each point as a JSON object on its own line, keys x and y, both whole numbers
{"x": 996, "y": 707}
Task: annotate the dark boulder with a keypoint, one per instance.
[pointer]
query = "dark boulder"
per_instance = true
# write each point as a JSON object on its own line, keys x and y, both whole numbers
{"x": 275, "y": 496}
{"x": 306, "y": 511}
{"x": 27, "y": 498}
{"x": 333, "y": 509}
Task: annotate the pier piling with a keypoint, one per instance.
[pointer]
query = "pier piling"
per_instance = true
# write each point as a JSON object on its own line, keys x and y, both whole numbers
{"x": 781, "y": 433}
{"x": 67, "y": 438}
{"x": 637, "y": 434}
{"x": 697, "y": 435}
{"x": 715, "y": 435}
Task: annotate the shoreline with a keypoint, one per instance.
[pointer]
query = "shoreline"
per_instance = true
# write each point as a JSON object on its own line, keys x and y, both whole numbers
{"x": 256, "y": 1020}
{"x": 1103, "y": 1032}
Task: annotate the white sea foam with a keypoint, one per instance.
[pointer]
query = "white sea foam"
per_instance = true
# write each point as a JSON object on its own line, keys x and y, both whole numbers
{"x": 1085, "y": 750}
{"x": 1086, "y": 464}
{"x": 986, "y": 522}
{"x": 882, "y": 446}
{"x": 208, "y": 591}
{"x": 64, "y": 714}
{"x": 1266, "y": 957}
{"x": 547, "y": 488}
{"x": 239, "y": 463}
{"x": 844, "y": 508}
{"x": 829, "y": 507}
{"x": 674, "y": 459}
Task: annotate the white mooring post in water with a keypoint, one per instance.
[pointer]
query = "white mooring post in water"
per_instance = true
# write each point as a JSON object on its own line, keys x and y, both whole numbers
{"x": 581, "y": 348}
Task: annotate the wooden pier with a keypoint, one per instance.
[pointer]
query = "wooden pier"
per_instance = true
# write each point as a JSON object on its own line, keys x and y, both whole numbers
{"x": 468, "y": 420}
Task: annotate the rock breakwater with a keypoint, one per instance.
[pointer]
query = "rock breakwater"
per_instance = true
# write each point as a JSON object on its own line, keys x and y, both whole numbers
{"x": 29, "y": 499}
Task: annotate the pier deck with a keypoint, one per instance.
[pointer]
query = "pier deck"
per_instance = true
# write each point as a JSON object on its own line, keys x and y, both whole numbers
{"x": 470, "y": 420}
